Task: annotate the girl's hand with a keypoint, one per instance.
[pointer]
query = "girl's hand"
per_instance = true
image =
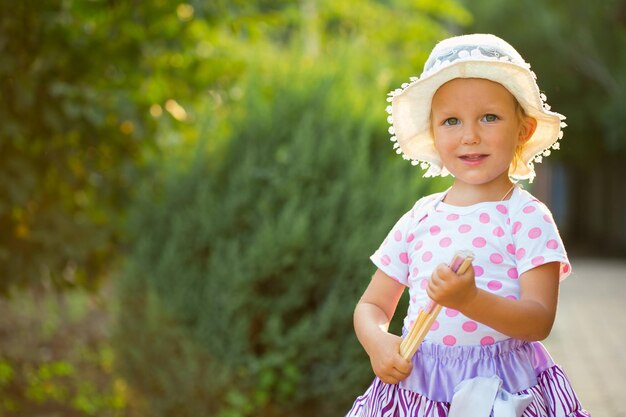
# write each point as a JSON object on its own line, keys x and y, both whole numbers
{"x": 372, "y": 316}
{"x": 451, "y": 290}
{"x": 386, "y": 361}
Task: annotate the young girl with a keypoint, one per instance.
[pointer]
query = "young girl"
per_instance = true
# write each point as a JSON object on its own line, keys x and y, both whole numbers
{"x": 475, "y": 113}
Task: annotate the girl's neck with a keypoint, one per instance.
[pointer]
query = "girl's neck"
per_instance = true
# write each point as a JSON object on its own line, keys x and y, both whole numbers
{"x": 463, "y": 194}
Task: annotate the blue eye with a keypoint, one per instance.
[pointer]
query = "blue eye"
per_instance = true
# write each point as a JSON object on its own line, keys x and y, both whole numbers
{"x": 452, "y": 121}
{"x": 490, "y": 117}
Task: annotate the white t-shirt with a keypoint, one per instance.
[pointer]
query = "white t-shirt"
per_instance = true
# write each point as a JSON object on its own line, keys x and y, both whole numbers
{"x": 507, "y": 238}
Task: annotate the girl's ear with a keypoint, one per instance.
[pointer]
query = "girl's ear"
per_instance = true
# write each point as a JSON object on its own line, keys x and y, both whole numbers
{"x": 527, "y": 128}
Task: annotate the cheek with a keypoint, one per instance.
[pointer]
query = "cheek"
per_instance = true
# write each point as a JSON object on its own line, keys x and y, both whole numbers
{"x": 438, "y": 138}
{"x": 439, "y": 149}
{"x": 443, "y": 146}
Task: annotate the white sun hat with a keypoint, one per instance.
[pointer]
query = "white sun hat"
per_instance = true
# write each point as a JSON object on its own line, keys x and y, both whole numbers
{"x": 470, "y": 56}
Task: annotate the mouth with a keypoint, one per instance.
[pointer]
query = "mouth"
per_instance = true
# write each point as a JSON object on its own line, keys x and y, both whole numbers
{"x": 473, "y": 158}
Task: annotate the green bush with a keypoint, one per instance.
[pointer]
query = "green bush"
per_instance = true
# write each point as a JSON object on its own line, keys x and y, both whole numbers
{"x": 244, "y": 269}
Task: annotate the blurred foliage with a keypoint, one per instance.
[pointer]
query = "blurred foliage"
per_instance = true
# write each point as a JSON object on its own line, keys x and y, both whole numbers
{"x": 60, "y": 363}
{"x": 248, "y": 138}
{"x": 91, "y": 90}
{"x": 245, "y": 271}
{"x": 81, "y": 85}
{"x": 86, "y": 86}
{"x": 245, "y": 264}
{"x": 575, "y": 49}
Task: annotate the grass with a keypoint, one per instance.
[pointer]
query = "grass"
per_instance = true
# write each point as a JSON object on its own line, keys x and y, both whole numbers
{"x": 55, "y": 356}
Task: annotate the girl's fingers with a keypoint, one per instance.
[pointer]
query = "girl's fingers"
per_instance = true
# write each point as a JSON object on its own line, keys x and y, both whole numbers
{"x": 389, "y": 380}
{"x": 400, "y": 369}
{"x": 434, "y": 278}
{"x": 393, "y": 377}
{"x": 404, "y": 367}
{"x": 437, "y": 279}
{"x": 444, "y": 272}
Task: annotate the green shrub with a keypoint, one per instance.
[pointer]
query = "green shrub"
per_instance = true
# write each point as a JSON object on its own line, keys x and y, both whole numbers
{"x": 244, "y": 269}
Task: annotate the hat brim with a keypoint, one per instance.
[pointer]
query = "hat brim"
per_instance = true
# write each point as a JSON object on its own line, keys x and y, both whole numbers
{"x": 411, "y": 109}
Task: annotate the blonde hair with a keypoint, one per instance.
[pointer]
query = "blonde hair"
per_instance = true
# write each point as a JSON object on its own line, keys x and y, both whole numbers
{"x": 522, "y": 116}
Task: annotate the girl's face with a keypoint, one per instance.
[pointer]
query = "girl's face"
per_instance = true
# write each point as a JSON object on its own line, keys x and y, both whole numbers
{"x": 477, "y": 129}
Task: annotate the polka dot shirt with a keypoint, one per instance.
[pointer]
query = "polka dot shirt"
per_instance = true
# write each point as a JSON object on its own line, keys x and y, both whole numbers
{"x": 507, "y": 238}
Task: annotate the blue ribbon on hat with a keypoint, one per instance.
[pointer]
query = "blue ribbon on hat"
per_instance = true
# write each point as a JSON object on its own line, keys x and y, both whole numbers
{"x": 477, "y": 397}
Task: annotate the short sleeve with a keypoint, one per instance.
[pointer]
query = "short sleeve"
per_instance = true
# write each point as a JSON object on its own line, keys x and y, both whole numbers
{"x": 392, "y": 257}
{"x": 537, "y": 239}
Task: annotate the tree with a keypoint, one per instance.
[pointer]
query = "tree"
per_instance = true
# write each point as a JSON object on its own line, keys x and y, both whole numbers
{"x": 245, "y": 269}
{"x": 86, "y": 87}
{"x": 82, "y": 84}
{"x": 246, "y": 260}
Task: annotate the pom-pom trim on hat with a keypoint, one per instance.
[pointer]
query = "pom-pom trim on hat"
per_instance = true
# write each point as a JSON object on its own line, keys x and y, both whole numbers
{"x": 509, "y": 70}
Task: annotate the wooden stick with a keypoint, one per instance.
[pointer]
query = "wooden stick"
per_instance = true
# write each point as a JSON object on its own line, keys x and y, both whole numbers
{"x": 426, "y": 317}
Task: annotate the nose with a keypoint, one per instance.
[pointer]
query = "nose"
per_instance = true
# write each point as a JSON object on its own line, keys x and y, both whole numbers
{"x": 471, "y": 135}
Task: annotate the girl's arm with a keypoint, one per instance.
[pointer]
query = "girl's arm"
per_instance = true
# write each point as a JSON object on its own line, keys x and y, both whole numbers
{"x": 529, "y": 318}
{"x": 372, "y": 316}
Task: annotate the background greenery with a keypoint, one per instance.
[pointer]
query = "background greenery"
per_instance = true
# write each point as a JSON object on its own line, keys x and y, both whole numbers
{"x": 573, "y": 48}
{"x": 189, "y": 192}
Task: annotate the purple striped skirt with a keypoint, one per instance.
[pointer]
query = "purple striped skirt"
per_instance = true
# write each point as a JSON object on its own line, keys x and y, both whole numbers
{"x": 523, "y": 367}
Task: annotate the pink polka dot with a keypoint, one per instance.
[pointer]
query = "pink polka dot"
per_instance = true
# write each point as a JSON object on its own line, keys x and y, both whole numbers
{"x": 512, "y": 273}
{"x": 435, "y": 230}
{"x": 511, "y": 297}
{"x": 534, "y": 233}
{"x": 529, "y": 209}
{"x": 445, "y": 242}
{"x": 494, "y": 285}
{"x": 449, "y": 340}
{"x": 479, "y": 242}
{"x": 547, "y": 218}
{"x": 464, "y": 228}
{"x": 404, "y": 258}
{"x": 516, "y": 227}
{"x": 452, "y": 217}
{"x": 415, "y": 272}
{"x": 501, "y": 208}
{"x": 487, "y": 340}
{"x": 450, "y": 312}
{"x": 552, "y": 244}
{"x": 498, "y": 232}
{"x": 397, "y": 235}
{"x": 470, "y": 326}
{"x": 510, "y": 248}
{"x": 478, "y": 271}
{"x": 435, "y": 326}
{"x": 521, "y": 252}
{"x": 484, "y": 218}
{"x": 427, "y": 256}
{"x": 423, "y": 284}
{"x": 565, "y": 268}
{"x": 386, "y": 260}
{"x": 496, "y": 258}
{"x": 538, "y": 260}
{"x": 410, "y": 238}
{"x": 419, "y": 245}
